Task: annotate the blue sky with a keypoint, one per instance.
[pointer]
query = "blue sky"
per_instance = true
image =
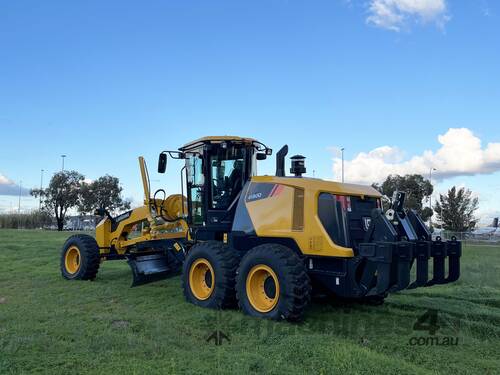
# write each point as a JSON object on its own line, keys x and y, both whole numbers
{"x": 104, "y": 82}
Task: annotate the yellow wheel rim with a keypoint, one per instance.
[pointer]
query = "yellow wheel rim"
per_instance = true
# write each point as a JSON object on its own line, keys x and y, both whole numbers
{"x": 263, "y": 288}
{"x": 201, "y": 279}
{"x": 72, "y": 260}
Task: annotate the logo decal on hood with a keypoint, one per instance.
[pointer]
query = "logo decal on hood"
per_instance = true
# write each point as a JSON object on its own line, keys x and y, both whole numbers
{"x": 366, "y": 223}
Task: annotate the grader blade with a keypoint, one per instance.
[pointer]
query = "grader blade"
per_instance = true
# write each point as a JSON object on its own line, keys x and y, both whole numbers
{"x": 149, "y": 268}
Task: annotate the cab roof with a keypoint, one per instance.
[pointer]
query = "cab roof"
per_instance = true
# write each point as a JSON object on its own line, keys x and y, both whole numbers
{"x": 216, "y": 139}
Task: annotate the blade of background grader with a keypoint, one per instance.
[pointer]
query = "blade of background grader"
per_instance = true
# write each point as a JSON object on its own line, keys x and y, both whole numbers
{"x": 150, "y": 268}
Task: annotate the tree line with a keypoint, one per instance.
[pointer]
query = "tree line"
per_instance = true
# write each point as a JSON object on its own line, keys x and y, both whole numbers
{"x": 68, "y": 190}
{"x": 31, "y": 220}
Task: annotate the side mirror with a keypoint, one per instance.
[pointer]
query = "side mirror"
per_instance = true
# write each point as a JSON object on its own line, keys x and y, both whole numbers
{"x": 261, "y": 156}
{"x": 162, "y": 163}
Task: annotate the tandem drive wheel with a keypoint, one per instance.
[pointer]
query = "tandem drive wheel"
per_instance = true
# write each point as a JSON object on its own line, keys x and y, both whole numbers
{"x": 208, "y": 275}
{"x": 272, "y": 283}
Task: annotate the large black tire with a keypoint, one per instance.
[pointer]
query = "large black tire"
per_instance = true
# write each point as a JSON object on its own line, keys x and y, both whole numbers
{"x": 80, "y": 258}
{"x": 272, "y": 268}
{"x": 208, "y": 275}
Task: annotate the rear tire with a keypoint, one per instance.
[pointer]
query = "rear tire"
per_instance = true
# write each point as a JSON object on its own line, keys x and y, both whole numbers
{"x": 272, "y": 283}
{"x": 208, "y": 275}
{"x": 80, "y": 258}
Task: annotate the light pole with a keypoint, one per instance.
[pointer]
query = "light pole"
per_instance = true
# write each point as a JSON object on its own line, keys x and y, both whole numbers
{"x": 430, "y": 197}
{"x": 19, "y": 204}
{"x": 63, "y": 156}
{"x": 41, "y": 187}
{"x": 342, "y": 150}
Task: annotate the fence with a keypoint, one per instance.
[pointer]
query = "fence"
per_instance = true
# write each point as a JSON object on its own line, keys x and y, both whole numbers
{"x": 43, "y": 220}
{"x": 488, "y": 238}
{"x": 32, "y": 220}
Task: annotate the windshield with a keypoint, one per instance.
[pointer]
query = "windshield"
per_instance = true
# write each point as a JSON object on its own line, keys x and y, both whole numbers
{"x": 228, "y": 170}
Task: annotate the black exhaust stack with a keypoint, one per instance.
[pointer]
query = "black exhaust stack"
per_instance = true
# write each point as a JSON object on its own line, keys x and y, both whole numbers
{"x": 280, "y": 161}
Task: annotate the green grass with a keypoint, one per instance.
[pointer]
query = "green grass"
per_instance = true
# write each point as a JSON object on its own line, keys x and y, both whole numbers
{"x": 50, "y": 325}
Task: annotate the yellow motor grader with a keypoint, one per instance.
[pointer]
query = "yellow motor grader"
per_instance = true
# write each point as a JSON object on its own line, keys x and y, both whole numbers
{"x": 264, "y": 243}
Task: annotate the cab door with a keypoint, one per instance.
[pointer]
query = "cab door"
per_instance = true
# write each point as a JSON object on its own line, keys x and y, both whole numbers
{"x": 196, "y": 190}
{"x": 228, "y": 172}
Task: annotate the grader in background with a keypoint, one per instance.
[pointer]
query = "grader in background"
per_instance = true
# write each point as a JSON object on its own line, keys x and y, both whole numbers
{"x": 264, "y": 243}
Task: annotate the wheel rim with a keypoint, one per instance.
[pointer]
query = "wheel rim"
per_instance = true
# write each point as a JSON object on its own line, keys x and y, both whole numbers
{"x": 201, "y": 279}
{"x": 72, "y": 260}
{"x": 263, "y": 288}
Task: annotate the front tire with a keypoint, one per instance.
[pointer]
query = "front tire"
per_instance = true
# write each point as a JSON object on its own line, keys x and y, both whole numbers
{"x": 208, "y": 275}
{"x": 272, "y": 283}
{"x": 80, "y": 258}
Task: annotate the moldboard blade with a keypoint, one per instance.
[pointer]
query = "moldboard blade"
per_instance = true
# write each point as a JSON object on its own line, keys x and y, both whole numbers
{"x": 149, "y": 268}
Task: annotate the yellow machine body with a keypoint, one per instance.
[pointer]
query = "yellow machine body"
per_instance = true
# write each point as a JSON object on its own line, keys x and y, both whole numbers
{"x": 145, "y": 223}
{"x": 292, "y": 212}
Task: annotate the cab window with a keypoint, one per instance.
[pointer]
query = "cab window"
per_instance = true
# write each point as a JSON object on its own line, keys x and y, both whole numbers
{"x": 196, "y": 182}
{"x": 228, "y": 169}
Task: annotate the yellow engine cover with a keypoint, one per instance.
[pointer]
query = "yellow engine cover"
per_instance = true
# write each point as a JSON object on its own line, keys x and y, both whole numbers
{"x": 288, "y": 208}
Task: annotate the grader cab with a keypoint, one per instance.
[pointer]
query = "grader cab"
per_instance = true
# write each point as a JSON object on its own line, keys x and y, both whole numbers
{"x": 264, "y": 243}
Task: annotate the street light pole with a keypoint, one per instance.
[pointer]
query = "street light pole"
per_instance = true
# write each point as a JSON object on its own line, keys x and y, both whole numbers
{"x": 430, "y": 197}
{"x": 63, "y": 156}
{"x": 342, "y": 150}
{"x": 19, "y": 204}
{"x": 41, "y": 187}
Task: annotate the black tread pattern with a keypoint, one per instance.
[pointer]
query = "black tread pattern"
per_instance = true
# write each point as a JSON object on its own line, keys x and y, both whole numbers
{"x": 292, "y": 305}
{"x": 89, "y": 251}
{"x": 225, "y": 262}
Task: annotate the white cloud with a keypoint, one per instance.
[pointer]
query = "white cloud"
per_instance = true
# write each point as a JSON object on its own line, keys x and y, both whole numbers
{"x": 4, "y": 180}
{"x": 460, "y": 154}
{"x": 396, "y": 14}
{"x": 9, "y": 187}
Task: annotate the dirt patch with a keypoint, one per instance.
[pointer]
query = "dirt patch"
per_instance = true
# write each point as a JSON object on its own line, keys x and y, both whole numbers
{"x": 120, "y": 323}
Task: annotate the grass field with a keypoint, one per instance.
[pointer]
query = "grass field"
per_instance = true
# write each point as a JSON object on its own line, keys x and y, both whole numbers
{"x": 49, "y": 325}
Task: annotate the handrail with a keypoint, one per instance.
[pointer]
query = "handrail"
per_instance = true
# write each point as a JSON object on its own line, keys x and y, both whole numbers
{"x": 145, "y": 180}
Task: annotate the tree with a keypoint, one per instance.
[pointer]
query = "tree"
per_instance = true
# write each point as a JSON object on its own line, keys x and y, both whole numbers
{"x": 417, "y": 188}
{"x": 62, "y": 194}
{"x": 105, "y": 192}
{"x": 455, "y": 210}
